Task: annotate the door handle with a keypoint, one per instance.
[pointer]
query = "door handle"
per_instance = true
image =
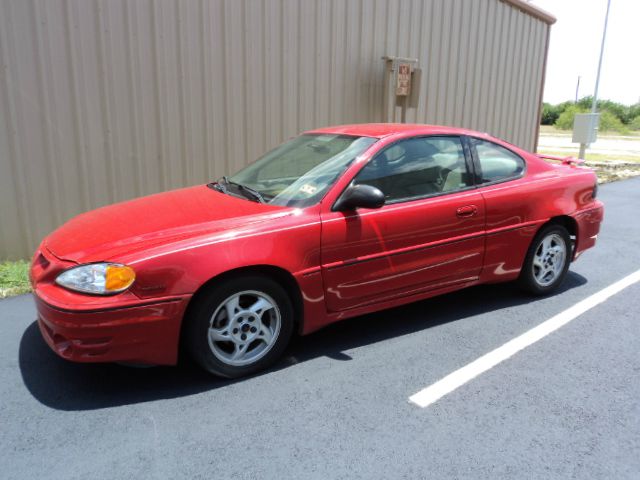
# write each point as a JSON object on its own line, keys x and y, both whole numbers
{"x": 467, "y": 211}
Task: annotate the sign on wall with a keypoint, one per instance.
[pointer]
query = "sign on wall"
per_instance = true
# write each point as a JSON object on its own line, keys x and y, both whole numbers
{"x": 403, "y": 80}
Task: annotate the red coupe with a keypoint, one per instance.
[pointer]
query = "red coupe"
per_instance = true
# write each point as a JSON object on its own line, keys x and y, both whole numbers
{"x": 334, "y": 223}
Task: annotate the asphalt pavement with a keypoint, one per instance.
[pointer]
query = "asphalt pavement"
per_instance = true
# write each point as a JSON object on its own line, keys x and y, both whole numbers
{"x": 337, "y": 405}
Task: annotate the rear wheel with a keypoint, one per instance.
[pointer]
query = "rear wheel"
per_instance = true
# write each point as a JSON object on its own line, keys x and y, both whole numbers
{"x": 547, "y": 261}
{"x": 240, "y": 326}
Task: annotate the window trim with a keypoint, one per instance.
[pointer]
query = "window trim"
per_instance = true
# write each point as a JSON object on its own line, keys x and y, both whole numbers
{"x": 467, "y": 160}
{"x": 477, "y": 167}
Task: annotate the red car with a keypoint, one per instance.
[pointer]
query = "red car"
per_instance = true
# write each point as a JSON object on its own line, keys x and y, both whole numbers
{"x": 334, "y": 223}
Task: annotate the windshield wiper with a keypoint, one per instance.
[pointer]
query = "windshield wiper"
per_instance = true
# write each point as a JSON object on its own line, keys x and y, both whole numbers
{"x": 217, "y": 187}
{"x": 256, "y": 195}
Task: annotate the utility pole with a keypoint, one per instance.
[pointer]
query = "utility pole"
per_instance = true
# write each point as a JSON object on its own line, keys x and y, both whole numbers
{"x": 577, "y": 89}
{"x": 594, "y": 105}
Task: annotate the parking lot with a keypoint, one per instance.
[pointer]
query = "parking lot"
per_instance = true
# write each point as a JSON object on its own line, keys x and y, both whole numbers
{"x": 337, "y": 406}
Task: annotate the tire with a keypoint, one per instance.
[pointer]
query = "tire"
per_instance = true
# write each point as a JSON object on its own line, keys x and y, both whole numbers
{"x": 546, "y": 264}
{"x": 262, "y": 322}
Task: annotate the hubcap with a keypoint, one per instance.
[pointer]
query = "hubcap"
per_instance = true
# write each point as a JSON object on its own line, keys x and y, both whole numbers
{"x": 244, "y": 328}
{"x": 549, "y": 259}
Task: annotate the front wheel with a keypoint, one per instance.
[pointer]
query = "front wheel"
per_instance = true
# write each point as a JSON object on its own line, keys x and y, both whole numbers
{"x": 547, "y": 261}
{"x": 240, "y": 326}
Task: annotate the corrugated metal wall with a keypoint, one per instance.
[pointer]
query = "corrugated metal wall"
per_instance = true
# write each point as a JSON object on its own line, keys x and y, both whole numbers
{"x": 102, "y": 101}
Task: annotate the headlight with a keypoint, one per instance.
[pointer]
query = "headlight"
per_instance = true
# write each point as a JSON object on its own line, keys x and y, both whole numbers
{"x": 97, "y": 278}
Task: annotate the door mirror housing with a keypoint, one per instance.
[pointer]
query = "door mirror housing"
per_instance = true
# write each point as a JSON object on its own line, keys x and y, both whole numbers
{"x": 359, "y": 196}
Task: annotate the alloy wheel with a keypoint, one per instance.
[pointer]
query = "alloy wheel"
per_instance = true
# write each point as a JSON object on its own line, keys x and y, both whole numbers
{"x": 549, "y": 259}
{"x": 244, "y": 328}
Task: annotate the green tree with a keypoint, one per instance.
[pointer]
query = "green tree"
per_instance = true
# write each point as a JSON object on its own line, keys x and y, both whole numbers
{"x": 549, "y": 114}
{"x": 609, "y": 122}
{"x": 565, "y": 120}
{"x": 623, "y": 112}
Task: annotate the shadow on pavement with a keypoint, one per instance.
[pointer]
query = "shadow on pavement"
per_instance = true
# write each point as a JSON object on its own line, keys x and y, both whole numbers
{"x": 63, "y": 385}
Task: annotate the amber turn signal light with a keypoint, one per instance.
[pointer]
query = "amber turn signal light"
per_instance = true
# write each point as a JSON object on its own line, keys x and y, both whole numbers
{"x": 118, "y": 278}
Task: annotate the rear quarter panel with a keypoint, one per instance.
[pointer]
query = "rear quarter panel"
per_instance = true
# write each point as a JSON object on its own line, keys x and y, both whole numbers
{"x": 516, "y": 210}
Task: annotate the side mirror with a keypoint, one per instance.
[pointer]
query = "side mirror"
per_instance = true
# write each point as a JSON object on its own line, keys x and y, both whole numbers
{"x": 359, "y": 196}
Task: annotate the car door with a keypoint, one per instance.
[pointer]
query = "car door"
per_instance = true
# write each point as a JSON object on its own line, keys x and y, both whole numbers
{"x": 428, "y": 235}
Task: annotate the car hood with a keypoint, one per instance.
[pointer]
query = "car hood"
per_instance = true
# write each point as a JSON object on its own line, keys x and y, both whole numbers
{"x": 108, "y": 232}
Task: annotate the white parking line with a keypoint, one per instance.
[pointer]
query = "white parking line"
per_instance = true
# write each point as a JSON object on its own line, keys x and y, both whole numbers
{"x": 448, "y": 384}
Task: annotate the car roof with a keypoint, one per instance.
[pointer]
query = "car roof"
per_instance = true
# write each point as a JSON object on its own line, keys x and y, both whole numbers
{"x": 381, "y": 130}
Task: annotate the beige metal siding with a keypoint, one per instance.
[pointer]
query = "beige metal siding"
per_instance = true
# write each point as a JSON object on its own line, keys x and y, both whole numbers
{"x": 102, "y": 101}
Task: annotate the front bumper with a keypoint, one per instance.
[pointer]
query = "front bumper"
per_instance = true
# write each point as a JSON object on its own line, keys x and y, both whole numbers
{"x": 146, "y": 333}
{"x": 115, "y": 328}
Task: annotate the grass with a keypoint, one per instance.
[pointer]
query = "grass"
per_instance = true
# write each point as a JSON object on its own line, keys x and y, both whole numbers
{"x": 14, "y": 278}
{"x": 593, "y": 157}
{"x": 551, "y": 130}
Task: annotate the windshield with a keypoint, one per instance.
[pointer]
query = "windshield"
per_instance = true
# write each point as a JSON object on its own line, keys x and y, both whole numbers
{"x": 299, "y": 172}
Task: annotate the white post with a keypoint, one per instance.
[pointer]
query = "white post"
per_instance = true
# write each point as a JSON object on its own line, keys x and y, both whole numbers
{"x": 594, "y": 104}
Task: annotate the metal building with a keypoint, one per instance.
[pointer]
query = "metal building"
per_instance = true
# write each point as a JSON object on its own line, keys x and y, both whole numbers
{"x": 102, "y": 101}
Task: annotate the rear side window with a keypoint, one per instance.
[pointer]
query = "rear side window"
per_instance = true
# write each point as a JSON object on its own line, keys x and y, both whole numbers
{"x": 496, "y": 162}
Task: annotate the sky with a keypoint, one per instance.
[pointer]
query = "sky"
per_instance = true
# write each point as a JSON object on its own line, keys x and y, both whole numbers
{"x": 575, "y": 47}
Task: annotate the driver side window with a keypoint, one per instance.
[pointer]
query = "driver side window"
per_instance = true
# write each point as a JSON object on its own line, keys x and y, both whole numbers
{"x": 417, "y": 167}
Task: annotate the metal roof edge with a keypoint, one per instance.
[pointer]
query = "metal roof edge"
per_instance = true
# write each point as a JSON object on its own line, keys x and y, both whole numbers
{"x": 532, "y": 10}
